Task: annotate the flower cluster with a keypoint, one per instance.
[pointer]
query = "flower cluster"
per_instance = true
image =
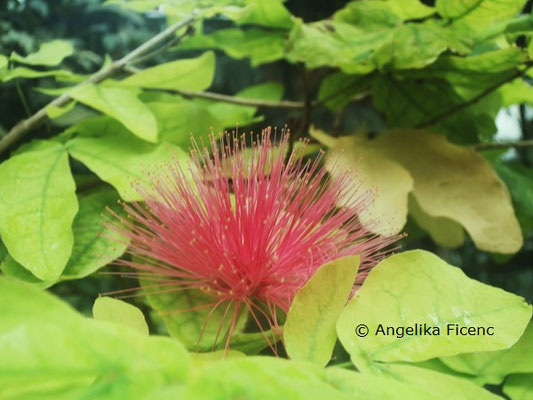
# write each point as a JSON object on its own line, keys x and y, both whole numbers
{"x": 248, "y": 225}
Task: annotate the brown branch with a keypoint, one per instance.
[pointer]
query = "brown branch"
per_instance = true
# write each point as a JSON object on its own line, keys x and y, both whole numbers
{"x": 502, "y": 145}
{"x": 241, "y": 101}
{"x": 447, "y": 113}
{"x": 25, "y": 126}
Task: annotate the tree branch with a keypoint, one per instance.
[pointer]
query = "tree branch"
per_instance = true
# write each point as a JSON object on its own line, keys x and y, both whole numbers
{"x": 25, "y": 126}
{"x": 447, "y": 113}
{"x": 241, "y": 101}
{"x": 502, "y": 145}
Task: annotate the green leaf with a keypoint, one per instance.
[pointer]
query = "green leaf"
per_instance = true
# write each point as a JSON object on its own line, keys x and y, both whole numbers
{"x": 94, "y": 246}
{"x": 187, "y": 326}
{"x": 54, "y": 112}
{"x": 479, "y": 201}
{"x": 179, "y": 120}
{"x": 478, "y": 15}
{"x": 339, "y": 89}
{"x": 335, "y": 44}
{"x": 22, "y": 72}
{"x": 119, "y": 312}
{"x": 37, "y": 207}
{"x": 444, "y": 231}
{"x": 50, "y": 351}
{"x": 410, "y": 9}
{"x": 270, "y": 13}
{"x": 3, "y": 62}
{"x": 121, "y": 104}
{"x": 519, "y": 387}
{"x": 445, "y": 386}
{"x": 265, "y": 378}
{"x": 517, "y": 92}
{"x": 492, "y": 367}
{"x": 309, "y": 330}
{"x": 261, "y": 46}
{"x": 415, "y": 46}
{"x": 49, "y": 54}
{"x": 232, "y": 115}
{"x": 120, "y": 159}
{"x": 13, "y": 270}
{"x": 416, "y": 287}
{"x": 188, "y": 74}
{"x": 519, "y": 180}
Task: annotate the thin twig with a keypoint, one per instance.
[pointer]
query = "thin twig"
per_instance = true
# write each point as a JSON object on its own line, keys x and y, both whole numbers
{"x": 447, "y": 113}
{"x": 241, "y": 100}
{"x": 25, "y": 126}
{"x": 502, "y": 145}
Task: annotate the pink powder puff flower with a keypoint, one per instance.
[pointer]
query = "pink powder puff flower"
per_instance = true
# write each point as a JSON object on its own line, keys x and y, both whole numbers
{"x": 246, "y": 227}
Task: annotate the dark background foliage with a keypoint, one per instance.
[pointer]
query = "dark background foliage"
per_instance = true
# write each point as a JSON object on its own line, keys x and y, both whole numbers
{"x": 96, "y": 31}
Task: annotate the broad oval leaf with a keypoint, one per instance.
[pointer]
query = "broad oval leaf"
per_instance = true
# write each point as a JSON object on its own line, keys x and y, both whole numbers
{"x": 94, "y": 246}
{"x": 119, "y": 312}
{"x": 456, "y": 183}
{"x": 372, "y": 171}
{"x": 121, "y": 104}
{"x": 519, "y": 387}
{"x": 122, "y": 160}
{"x": 49, "y": 54}
{"x": 419, "y": 290}
{"x": 69, "y": 356}
{"x": 309, "y": 330}
{"x": 37, "y": 206}
{"x": 188, "y": 74}
{"x": 492, "y": 367}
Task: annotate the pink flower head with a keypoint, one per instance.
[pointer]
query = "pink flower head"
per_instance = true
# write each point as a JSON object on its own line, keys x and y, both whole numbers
{"x": 245, "y": 226}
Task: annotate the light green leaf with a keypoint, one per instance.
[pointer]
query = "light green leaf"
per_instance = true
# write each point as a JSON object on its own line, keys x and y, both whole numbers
{"x": 492, "y": 367}
{"x": 188, "y": 74}
{"x": 54, "y": 112}
{"x": 265, "y": 378}
{"x": 309, "y": 330}
{"x": 179, "y": 120}
{"x": 120, "y": 312}
{"x": 13, "y": 270}
{"x": 479, "y": 201}
{"x": 22, "y": 72}
{"x": 232, "y": 115}
{"x": 478, "y": 15}
{"x": 410, "y": 9}
{"x": 94, "y": 246}
{"x": 187, "y": 326}
{"x": 519, "y": 387}
{"x": 122, "y": 160}
{"x": 37, "y": 207}
{"x": 49, "y": 54}
{"x": 335, "y": 44}
{"x": 261, "y": 46}
{"x": 445, "y": 386}
{"x": 517, "y": 92}
{"x": 50, "y": 351}
{"x": 121, "y": 104}
{"x": 416, "y": 287}
{"x": 270, "y": 13}
{"x": 3, "y": 62}
{"x": 444, "y": 231}
{"x": 415, "y": 46}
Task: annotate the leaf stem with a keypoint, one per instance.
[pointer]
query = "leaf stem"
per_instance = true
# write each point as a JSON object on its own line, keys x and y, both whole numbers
{"x": 502, "y": 145}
